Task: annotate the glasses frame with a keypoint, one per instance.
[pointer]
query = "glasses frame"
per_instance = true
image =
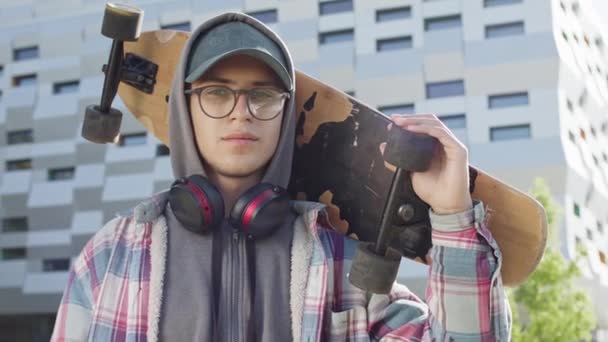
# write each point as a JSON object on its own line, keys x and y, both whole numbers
{"x": 235, "y": 95}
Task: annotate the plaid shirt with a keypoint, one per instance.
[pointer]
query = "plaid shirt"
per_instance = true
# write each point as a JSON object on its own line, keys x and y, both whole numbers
{"x": 114, "y": 290}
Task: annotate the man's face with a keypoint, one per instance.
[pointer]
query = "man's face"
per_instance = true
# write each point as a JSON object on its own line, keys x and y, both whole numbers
{"x": 218, "y": 141}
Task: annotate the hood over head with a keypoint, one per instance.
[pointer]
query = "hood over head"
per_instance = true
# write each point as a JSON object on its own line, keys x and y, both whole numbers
{"x": 185, "y": 157}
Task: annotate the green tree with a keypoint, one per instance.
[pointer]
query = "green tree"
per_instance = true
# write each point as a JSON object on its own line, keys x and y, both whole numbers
{"x": 548, "y": 307}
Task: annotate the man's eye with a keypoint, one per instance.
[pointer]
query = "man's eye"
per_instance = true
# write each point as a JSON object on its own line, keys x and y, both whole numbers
{"x": 218, "y": 92}
{"x": 262, "y": 94}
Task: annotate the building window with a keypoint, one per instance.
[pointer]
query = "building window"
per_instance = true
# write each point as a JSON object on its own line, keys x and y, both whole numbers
{"x": 593, "y": 131}
{"x": 577, "y": 210}
{"x": 396, "y": 43}
{"x": 505, "y": 30}
{"x": 492, "y": 3}
{"x": 14, "y": 224}
{"x": 66, "y": 87}
{"x": 397, "y": 13}
{"x": 184, "y": 26}
{"x": 510, "y": 132}
{"x": 336, "y": 36}
{"x": 24, "y": 80}
{"x": 336, "y": 6}
{"x": 569, "y": 105}
{"x": 350, "y": 93}
{"x": 444, "y": 89}
{"x": 19, "y": 137}
{"x": 508, "y": 100}
{"x": 571, "y": 136}
{"x": 441, "y": 23}
{"x": 407, "y": 108}
{"x": 132, "y": 139}
{"x": 21, "y": 164}
{"x": 1, "y": 70}
{"x": 605, "y": 157}
{"x": 52, "y": 265}
{"x": 454, "y": 121}
{"x": 582, "y": 133}
{"x": 13, "y": 253}
{"x": 65, "y": 173}
{"x": 596, "y": 160}
{"x": 600, "y": 228}
{"x": 565, "y": 36}
{"x": 602, "y": 257}
{"x": 162, "y": 150}
{"x": 589, "y": 234}
{"x": 268, "y": 16}
{"x": 29, "y": 52}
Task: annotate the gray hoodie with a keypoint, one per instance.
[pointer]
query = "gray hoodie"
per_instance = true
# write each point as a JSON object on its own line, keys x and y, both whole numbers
{"x": 187, "y": 312}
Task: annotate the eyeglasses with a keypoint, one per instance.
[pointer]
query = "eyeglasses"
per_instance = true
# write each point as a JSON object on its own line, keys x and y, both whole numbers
{"x": 219, "y": 101}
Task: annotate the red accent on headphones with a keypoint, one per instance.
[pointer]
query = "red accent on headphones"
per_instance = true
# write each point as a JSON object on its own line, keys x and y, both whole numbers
{"x": 200, "y": 196}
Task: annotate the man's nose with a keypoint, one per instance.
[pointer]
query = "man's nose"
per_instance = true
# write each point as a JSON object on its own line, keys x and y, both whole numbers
{"x": 241, "y": 111}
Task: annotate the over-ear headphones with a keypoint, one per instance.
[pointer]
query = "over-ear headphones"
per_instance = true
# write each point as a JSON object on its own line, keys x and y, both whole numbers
{"x": 199, "y": 207}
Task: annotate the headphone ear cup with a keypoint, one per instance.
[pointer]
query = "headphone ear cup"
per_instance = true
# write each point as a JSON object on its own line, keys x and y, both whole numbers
{"x": 197, "y": 204}
{"x": 260, "y": 210}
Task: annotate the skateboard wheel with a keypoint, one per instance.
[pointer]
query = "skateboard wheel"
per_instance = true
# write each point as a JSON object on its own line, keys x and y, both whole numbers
{"x": 100, "y": 127}
{"x": 374, "y": 273}
{"x": 409, "y": 151}
{"x": 122, "y": 22}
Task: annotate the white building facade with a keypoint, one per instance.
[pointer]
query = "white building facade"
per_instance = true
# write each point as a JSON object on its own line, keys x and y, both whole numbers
{"x": 523, "y": 83}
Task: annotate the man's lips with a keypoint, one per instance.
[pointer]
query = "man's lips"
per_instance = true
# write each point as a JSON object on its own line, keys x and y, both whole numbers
{"x": 240, "y": 137}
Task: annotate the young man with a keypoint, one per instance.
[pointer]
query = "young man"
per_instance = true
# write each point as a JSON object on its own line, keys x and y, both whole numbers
{"x": 153, "y": 275}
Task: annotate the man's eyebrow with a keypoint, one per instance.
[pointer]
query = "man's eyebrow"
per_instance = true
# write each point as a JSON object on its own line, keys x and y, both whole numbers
{"x": 212, "y": 78}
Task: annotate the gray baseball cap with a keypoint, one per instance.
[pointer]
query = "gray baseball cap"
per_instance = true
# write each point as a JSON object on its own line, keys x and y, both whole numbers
{"x": 234, "y": 38}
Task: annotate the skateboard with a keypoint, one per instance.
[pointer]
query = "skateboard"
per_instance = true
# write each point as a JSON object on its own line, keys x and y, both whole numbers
{"x": 337, "y": 161}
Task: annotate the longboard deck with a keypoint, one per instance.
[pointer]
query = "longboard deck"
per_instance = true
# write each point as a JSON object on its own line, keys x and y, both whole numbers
{"x": 337, "y": 161}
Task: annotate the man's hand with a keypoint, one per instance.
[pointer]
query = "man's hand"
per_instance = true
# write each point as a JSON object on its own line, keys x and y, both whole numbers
{"x": 445, "y": 185}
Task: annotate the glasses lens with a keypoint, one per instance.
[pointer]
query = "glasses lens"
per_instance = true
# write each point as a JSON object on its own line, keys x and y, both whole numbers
{"x": 265, "y": 103}
{"x": 217, "y": 101}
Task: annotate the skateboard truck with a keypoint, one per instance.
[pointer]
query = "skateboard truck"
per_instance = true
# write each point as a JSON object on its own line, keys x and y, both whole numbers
{"x": 121, "y": 23}
{"x": 375, "y": 266}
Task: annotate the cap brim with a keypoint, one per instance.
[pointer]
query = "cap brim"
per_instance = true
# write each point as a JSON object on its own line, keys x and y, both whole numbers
{"x": 265, "y": 57}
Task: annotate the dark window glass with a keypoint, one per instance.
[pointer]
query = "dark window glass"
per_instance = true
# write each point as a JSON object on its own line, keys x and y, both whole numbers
{"x": 29, "y": 52}
{"x": 441, "y": 23}
{"x": 600, "y": 227}
{"x": 454, "y": 120}
{"x": 396, "y": 43}
{"x": 25, "y": 80}
{"x": 21, "y": 164}
{"x": 508, "y": 100}
{"x": 505, "y": 30}
{"x": 406, "y": 108}
{"x": 268, "y": 17}
{"x": 577, "y": 210}
{"x": 61, "y": 174}
{"x": 510, "y": 132}
{"x": 13, "y": 253}
{"x": 66, "y": 87}
{"x": 19, "y": 137}
{"x": 51, "y": 265}
{"x": 1, "y": 70}
{"x": 589, "y": 234}
{"x": 14, "y": 224}
{"x": 337, "y": 6}
{"x": 572, "y": 137}
{"x": 185, "y": 26}
{"x": 337, "y": 36}
{"x": 133, "y": 139}
{"x": 389, "y": 14}
{"x": 491, "y": 3}
{"x": 162, "y": 150}
{"x": 444, "y": 89}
